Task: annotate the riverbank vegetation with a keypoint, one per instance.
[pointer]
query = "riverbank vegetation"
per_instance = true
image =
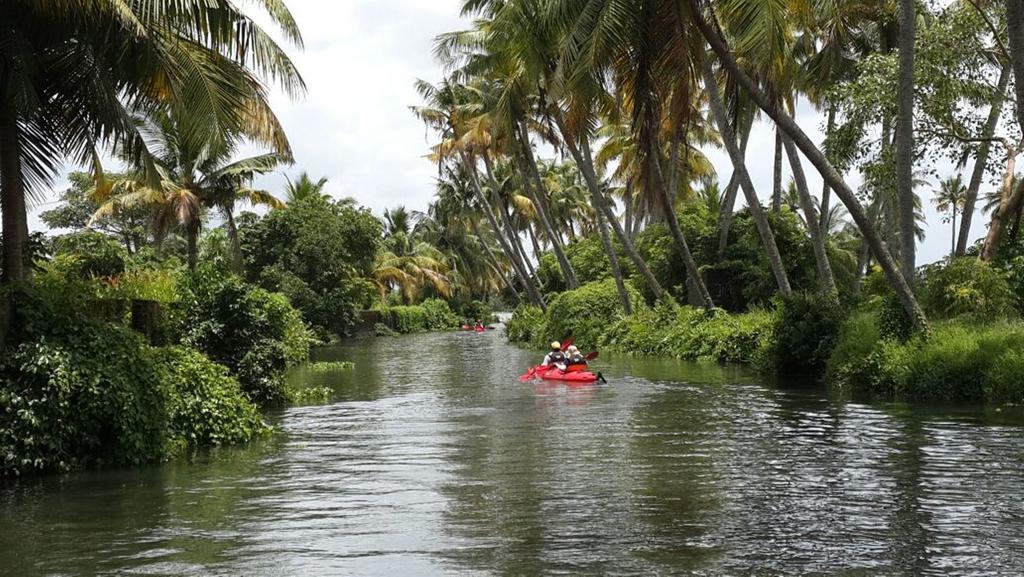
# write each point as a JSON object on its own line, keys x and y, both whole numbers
{"x": 580, "y": 132}
{"x": 575, "y": 180}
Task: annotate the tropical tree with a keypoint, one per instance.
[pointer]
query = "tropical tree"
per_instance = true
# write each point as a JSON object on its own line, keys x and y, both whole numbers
{"x": 72, "y": 74}
{"x": 304, "y": 187}
{"x": 192, "y": 178}
{"x": 950, "y": 198}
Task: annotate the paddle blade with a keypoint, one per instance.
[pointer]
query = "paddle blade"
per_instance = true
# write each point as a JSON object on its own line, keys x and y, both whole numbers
{"x": 591, "y": 356}
{"x": 566, "y": 344}
{"x": 529, "y": 375}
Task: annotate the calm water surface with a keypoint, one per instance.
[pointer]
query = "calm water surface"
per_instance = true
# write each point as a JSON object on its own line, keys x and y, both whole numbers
{"x": 435, "y": 460}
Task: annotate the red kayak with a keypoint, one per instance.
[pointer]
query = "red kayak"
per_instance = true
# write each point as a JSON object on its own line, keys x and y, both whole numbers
{"x": 555, "y": 374}
{"x": 479, "y": 329}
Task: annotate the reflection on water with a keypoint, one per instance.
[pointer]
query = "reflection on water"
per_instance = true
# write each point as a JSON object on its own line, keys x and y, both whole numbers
{"x": 436, "y": 460}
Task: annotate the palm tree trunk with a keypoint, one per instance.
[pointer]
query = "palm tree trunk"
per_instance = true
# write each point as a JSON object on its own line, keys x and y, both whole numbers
{"x": 530, "y": 232}
{"x": 830, "y": 126}
{"x": 825, "y": 278}
{"x": 656, "y": 180}
{"x": 12, "y": 203}
{"x": 531, "y": 289}
{"x": 739, "y": 165}
{"x": 825, "y": 168}
{"x": 777, "y": 174}
{"x": 236, "y": 244}
{"x": 538, "y": 195}
{"x": 725, "y": 215}
{"x": 981, "y": 162}
{"x": 585, "y": 160}
{"x": 673, "y": 167}
{"x": 905, "y": 140}
{"x": 192, "y": 238}
{"x": 952, "y": 252}
{"x": 627, "y": 201}
{"x": 613, "y": 262}
{"x": 493, "y": 259}
{"x": 1015, "y": 35}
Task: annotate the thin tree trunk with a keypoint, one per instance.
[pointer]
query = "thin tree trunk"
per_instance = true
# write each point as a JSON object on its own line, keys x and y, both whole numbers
{"x": 673, "y": 167}
{"x": 627, "y": 201}
{"x": 12, "y": 203}
{"x": 905, "y": 141}
{"x": 613, "y": 262}
{"x": 531, "y": 289}
{"x": 530, "y": 232}
{"x": 981, "y": 162}
{"x": 764, "y": 230}
{"x": 236, "y": 244}
{"x": 830, "y": 126}
{"x": 1015, "y": 34}
{"x": 538, "y": 195}
{"x": 516, "y": 240}
{"x": 828, "y": 172}
{"x": 493, "y": 259}
{"x": 192, "y": 238}
{"x": 586, "y": 161}
{"x": 952, "y": 252}
{"x": 825, "y": 278}
{"x": 725, "y": 215}
{"x": 777, "y": 175}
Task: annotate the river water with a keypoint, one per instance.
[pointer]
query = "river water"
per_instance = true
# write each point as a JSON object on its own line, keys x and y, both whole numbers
{"x": 435, "y": 460}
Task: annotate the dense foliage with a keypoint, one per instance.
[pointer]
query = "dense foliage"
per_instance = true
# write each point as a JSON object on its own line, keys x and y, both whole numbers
{"x": 317, "y": 253}
{"x": 79, "y": 392}
{"x": 255, "y": 333}
{"x": 430, "y": 315}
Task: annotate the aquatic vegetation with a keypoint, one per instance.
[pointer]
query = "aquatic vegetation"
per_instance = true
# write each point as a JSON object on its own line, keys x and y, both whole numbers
{"x": 327, "y": 367}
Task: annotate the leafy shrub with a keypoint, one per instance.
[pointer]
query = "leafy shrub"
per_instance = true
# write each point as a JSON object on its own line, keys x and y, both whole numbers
{"x": 91, "y": 254}
{"x": 894, "y": 321}
{"x": 88, "y": 396}
{"x": 206, "y": 406}
{"x": 965, "y": 287}
{"x": 254, "y": 333}
{"x": 958, "y": 362}
{"x": 806, "y": 330}
{"x": 857, "y": 339}
{"x": 692, "y": 333}
{"x": 585, "y": 313}
{"x": 438, "y": 315}
{"x": 527, "y": 325}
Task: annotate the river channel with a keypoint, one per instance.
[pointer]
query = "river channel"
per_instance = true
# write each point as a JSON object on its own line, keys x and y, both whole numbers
{"x": 435, "y": 460}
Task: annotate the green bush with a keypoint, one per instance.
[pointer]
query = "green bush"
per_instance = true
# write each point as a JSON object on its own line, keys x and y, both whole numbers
{"x": 806, "y": 330}
{"x": 438, "y": 315}
{"x": 256, "y": 334}
{"x": 585, "y": 313}
{"x": 965, "y": 287}
{"x": 692, "y": 333}
{"x": 90, "y": 396}
{"x": 958, "y": 363}
{"x": 206, "y": 406}
{"x": 856, "y": 340}
{"x": 91, "y": 254}
{"x": 527, "y": 325}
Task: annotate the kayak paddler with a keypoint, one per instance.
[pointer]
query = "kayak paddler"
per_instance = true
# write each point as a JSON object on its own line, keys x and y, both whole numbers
{"x": 574, "y": 361}
{"x": 555, "y": 356}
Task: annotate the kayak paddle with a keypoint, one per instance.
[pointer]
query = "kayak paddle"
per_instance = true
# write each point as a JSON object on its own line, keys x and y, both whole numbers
{"x": 566, "y": 344}
{"x": 591, "y": 356}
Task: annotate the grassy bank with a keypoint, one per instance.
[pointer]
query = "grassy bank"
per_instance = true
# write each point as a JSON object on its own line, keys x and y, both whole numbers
{"x": 974, "y": 352}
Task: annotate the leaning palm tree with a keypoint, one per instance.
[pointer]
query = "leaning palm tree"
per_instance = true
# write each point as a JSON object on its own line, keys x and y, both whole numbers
{"x": 71, "y": 73}
{"x": 424, "y": 266}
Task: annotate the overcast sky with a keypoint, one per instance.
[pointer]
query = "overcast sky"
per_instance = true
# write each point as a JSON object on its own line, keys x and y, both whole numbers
{"x": 354, "y": 126}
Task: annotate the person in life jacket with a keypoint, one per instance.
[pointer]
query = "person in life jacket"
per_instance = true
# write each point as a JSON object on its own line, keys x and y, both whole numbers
{"x": 574, "y": 361}
{"x": 555, "y": 356}
{"x": 478, "y": 325}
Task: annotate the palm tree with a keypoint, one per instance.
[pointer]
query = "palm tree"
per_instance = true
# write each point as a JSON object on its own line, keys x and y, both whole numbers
{"x": 951, "y": 198}
{"x": 705, "y": 21}
{"x": 191, "y": 179}
{"x": 72, "y": 73}
{"x": 304, "y": 188}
